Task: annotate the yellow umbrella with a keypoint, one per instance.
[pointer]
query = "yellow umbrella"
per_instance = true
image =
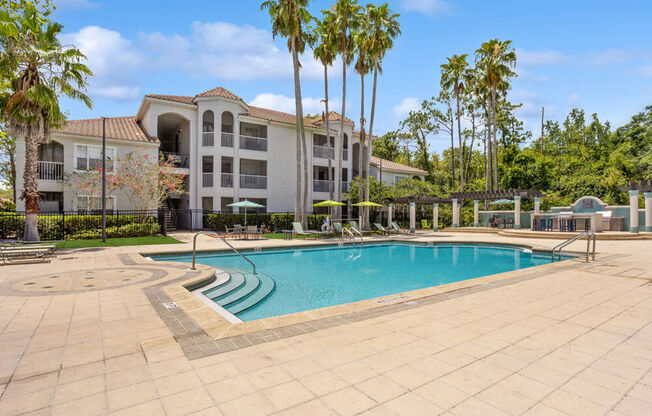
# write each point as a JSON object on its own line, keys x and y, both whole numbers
{"x": 367, "y": 204}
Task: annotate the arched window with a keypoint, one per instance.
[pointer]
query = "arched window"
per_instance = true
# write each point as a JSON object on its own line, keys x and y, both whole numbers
{"x": 209, "y": 122}
{"x": 227, "y": 122}
{"x": 345, "y": 142}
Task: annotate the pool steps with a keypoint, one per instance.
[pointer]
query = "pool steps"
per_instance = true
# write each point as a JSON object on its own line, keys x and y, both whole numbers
{"x": 242, "y": 290}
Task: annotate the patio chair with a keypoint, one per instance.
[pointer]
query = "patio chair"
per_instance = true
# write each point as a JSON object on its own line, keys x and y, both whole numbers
{"x": 509, "y": 223}
{"x": 253, "y": 231}
{"x": 398, "y": 229}
{"x": 11, "y": 253}
{"x": 298, "y": 230}
{"x": 380, "y": 228}
{"x": 424, "y": 224}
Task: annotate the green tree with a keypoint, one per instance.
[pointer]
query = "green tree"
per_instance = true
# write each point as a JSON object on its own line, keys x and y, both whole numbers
{"x": 45, "y": 69}
{"x": 452, "y": 79}
{"x": 387, "y": 146}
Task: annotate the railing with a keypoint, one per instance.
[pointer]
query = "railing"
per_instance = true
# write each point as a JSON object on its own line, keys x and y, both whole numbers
{"x": 253, "y": 181}
{"x": 207, "y": 180}
{"x": 50, "y": 171}
{"x": 226, "y": 180}
{"x": 589, "y": 235}
{"x": 179, "y": 160}
{"x": 253, "y": 143}
{"x": 207, "y": 138}
{"x": 322, "y": 151}
{"x": 320, "y": 186}
{"x": 352, "y": 231}
{"x": 194, "y": 248}
{"x": 227, "y": 139}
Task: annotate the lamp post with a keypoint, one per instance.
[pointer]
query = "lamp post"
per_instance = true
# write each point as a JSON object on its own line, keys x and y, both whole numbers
{"x": 104, "y": 179}
{"x": 380, "y": 198}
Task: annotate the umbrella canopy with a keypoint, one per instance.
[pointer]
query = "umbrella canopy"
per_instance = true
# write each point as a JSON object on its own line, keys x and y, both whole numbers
{"x": 367, "y": 204}
{"x": 328, "y": 203}
{"x": 502, "y": 201}
{"x": 246, "y": 204}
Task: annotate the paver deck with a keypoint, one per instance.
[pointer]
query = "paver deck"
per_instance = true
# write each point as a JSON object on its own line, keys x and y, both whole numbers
{"x": 569, "y": 341}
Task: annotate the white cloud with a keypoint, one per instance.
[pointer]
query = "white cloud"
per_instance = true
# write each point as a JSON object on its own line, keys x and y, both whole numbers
{"x": 539, "y": 58}
{"x": 286, "y": 104}
{"x": 408, "y": 104}
{"x": 526, "y": 75}
{"x": 428, "y": 7}
{"x": 117, "y": 92}
{"x": 609, "y": 57}
{"x": 573, "y": 99}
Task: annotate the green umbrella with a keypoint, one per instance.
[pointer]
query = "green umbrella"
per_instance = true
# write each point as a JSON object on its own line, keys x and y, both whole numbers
{"x": 328, "y": 203}
{"x": 245, "y": 204}
{"x": 367, "y": 204}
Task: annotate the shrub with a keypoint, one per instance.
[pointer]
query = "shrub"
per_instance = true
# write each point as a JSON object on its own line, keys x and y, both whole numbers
{"x": 129, "y": 230}
{"x": 7, "y": 206}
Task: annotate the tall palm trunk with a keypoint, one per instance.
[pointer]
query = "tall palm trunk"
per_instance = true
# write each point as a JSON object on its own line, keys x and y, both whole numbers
{"x": 369, "y": 146}
{"x": 495, "y": 142}
{"x": 452, "y": 156}
{"x": 487, "y": 147}
{"x": 298, "y": 214}
{"x": 459, "y": 139}
{"x": 30, "y": 189}
{"x": 361, "y": 152}
{"x": 468, "y": 159}
{"x": 340, "y": 150}
{"x": 328, "y": 136}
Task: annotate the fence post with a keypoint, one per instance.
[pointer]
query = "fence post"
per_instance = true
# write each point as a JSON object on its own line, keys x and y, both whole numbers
{"x": 63, "y": 225}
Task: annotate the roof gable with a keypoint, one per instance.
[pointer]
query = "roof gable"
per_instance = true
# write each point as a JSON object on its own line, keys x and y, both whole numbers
{"x": 120, "y": 128}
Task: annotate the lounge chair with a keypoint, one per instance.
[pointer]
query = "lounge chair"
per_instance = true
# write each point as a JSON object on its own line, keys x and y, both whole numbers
{"x": 18, "y": 252}
{"x": 380, "y": 228}
{"x": 298, "y": 230}
{"x": 252, "y": 230}
{"x": 338, "y": 228}
{"x": 398, "y": 229}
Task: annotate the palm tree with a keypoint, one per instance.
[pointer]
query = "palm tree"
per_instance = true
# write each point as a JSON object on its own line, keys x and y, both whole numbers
{"x": 347, "y": 18}
{"x": 41, "y": 69}
{"x": 452, "y": 77}
{"x": 326, "y": 51}
{"x": 289, "y": 17}
{"x": 497, "y": 58}
{"x": 384, "y": 28}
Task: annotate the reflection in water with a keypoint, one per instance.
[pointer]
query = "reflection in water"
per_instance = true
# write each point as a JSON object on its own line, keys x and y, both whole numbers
{"x": 456, "y": 254}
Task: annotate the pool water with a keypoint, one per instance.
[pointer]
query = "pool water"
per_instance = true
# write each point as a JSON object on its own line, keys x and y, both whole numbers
{"x": 311, "y": 278}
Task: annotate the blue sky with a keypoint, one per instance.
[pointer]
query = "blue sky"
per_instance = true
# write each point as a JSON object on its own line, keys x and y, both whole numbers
{"x": 594, "y": 55}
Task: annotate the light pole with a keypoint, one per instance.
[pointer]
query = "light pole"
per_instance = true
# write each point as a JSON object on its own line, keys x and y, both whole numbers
{"x": 380, "y": 198}
{"x": 104, "y": 179}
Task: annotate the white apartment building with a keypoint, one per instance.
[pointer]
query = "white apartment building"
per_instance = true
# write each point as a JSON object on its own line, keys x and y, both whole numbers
{"x": 228, "y": 150}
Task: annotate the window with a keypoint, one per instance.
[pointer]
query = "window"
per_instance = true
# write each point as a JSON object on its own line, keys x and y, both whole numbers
{"x": 90, "y": 157}
{"x": 398, "y": 178}
{"x": 207, "y": 164}
{"x": 207, "y": 203}
{"x": 253, "y": 130}
{"x": 94, "y": 203}
{"x": 208, "y": 121}
{"x": 227, "y": 122}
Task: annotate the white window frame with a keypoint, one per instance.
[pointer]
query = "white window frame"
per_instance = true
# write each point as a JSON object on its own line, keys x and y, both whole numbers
{"x": 88, "y": 147}
{"x": 99, "y": 197}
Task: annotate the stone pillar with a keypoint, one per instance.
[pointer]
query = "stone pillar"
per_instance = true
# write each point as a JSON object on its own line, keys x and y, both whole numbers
{"x": 413, "y": 218}
{"x": 537, "y": 209}
{"x": 456, "y": 214}
{"x": 476, "y": 215}
{"x": 648, "y": 211}
{"x": 435, "y": 217}
{"x": 389, "y": 216}
{"x": 633, "y": 211}
{"x": 517, "y": 212}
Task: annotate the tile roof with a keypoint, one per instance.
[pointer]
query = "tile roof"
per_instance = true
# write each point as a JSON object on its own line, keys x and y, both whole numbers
{"x": 388, "y": 164}
{"x": 277, "y": 116}
{"x": 174, "y": 98}
{"x": 220, "y": 92}
{"x": 121, "y": 128}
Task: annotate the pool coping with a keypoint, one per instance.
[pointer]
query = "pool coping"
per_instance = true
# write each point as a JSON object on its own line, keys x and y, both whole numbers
{"x": 213, "y": 333}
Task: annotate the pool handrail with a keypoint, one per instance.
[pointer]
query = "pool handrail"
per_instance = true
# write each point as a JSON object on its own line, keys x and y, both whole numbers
{"x": 194, "y": 248}
{"x": 356, "y": 231}
{"x": 589, "y": 236}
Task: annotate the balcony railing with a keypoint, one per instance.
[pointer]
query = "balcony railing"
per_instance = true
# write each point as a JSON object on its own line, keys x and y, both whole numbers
{"x": 227, "y": 139}
{"x": 179, "y": 160}
{"x": 253, "y": 143}
{"x": 207, "y": 180}
{"x": 253, "y": 181}
{"x": 226, "y": 180}
{"x": 208, "y": 139}
{"x": 50, "y": 171}
{"x": 320, "y": 185}
{"x": 322, "y": 151}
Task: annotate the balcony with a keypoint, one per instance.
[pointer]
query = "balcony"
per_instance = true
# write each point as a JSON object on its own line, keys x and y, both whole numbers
{"x": 320, "y": 185}
{"x": 207, "y": 139}
{"x": 226, "y": 180}
{"x": 207, "y": 180}
{"x": 50, "y": 171}
{"x": 227, "y": 139}
{"x": 253, "y": 181}
{"x": 323, "y": 151}
{"x": 253, "y": 143}
{"x": 179, "y": 160}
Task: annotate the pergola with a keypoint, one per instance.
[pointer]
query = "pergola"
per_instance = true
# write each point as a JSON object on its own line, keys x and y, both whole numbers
{"x": 634, "y": 189}
{"x": 476, "y": 196}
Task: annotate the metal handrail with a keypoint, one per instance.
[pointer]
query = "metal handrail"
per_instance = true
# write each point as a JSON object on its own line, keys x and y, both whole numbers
{"x": 353, "y": 230}
{"x": 194, "y": 247}
{"x": 589, "y": 236}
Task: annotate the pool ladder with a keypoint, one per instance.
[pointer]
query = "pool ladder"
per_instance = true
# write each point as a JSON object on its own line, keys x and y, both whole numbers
{"x": 194, "y": 248}
{"x": 352, "y": 231}
{"x": 589, "y": 236}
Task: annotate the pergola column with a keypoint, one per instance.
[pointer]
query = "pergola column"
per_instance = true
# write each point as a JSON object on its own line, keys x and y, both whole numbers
{"x": 648, "y": 211}
{"x": 413, "y": 218}
{"x": 537, "y": 209}
{"x": 633, "y": 211}
{"x": 517, "y": 212}
{"x": 435, "y": 217}
{"x": 476, "y": 215}
{"x": 456, "y": 213}
{"x": 389, "y": 216}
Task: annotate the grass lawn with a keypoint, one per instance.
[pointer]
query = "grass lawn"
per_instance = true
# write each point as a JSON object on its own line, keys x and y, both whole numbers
{"x": 117, "y": 242}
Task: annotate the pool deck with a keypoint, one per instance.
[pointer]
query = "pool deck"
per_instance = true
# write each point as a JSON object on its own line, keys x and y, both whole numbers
{"x": 102, "y": 331}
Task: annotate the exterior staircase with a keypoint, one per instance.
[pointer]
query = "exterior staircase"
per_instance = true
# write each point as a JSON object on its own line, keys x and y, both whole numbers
{"x": 241, "y": 291}
{"x": 168, "y": 221}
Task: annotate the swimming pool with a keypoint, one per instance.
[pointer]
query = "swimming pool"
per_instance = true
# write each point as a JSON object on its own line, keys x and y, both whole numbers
{"x": 308, "y": 278}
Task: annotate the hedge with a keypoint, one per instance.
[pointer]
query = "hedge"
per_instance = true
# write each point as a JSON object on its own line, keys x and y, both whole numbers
{"x": 130, "y": 230}
{"x": 218, "y": 222}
